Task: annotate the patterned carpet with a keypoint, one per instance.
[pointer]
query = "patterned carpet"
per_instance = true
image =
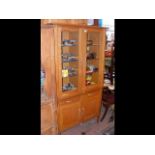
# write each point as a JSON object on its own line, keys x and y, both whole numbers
{"x": 91, "y": 127}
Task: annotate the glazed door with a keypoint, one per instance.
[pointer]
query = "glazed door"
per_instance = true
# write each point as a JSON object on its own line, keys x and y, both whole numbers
{"x": 68, "y": 58}
{"x": 93, "y": 58}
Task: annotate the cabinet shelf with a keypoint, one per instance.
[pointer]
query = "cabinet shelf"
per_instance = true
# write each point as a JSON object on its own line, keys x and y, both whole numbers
{"x": 70, "y": 76}
{"x": 69, "y": 89}
{"x": 91, "y": 72}
{"x": 70, "y": 61}
{"x": 62, "y": 45}
{"x": 92, "y": 59}
{"x": 91, "y": 84}
{"x": 95, "y": 45}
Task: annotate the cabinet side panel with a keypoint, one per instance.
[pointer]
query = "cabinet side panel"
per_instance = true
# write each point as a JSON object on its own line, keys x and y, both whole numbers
{"x": 47, "y": 60}
{"x": 48, "y": 110}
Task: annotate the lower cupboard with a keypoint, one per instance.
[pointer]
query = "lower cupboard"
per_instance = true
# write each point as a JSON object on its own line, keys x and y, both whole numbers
{"x": 78, "y": 109}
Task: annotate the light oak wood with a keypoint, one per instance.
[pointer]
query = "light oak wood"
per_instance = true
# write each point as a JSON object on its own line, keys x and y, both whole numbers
{"x": 48, "y": 119}
{"x": 68, "y": 108}
{"x": 64, "y": 95}
{"x": 90, "y": 104}
{"x": 50, "y": 131}
{"x": 69, "y": 113}
{"x": 65, "y": 21}
{"x": 48, "y": 107}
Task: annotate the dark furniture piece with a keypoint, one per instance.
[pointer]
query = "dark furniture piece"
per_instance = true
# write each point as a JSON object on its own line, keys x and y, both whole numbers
{"x": 107, "y": 100}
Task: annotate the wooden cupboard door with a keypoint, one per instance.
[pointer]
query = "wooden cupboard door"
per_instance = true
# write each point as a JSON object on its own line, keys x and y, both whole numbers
{"x": 93, "y": 54}
{"x": 91, "y": 105}
{"x": 68, "y": 62}
{"x": 69, "y": 114}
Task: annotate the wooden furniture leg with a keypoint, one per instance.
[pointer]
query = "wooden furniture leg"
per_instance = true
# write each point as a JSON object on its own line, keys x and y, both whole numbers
{"x": 106, "y": 110}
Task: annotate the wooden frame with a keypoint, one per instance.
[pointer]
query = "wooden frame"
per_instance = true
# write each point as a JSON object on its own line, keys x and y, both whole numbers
{"x": 86, "y": 100}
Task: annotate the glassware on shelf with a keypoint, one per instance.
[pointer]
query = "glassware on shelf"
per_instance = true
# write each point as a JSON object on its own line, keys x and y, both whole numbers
{"x": 69, "y": 72}
{"x": 69, "y": 60}
{"x": 69, "y": 57}
{"x": 91, "y": 55}
{"x": 89, "y": 80}
{"x": 68, "y": 86}
{"x": 69, "y": 42}
{"x": 90, "y": 22}
{"x": 89, "y": 42}
{"x": 64, "y": 73}
{"x": 91, "y": 68}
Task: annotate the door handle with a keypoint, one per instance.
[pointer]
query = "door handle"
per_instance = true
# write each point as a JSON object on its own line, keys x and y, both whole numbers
{"x": 68, "y": 101}
{"x": 80, "y": 110}
{"x": 90, "y": 94}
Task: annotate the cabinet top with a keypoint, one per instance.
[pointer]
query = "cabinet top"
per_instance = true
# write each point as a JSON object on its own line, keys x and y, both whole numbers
{"x": 72, "y": 26}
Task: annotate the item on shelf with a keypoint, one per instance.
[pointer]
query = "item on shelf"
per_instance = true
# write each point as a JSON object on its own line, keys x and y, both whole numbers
{"x": 91, "y": 69}
{"x": 90, "y": 22}
{"x": 113, "y": 74}
{"x": 89, "y": 42}
{"x": 108, "y": 53}
{"x": 72, "y": 72}
{"x": 65, "y": 73}
{"x": 100, "y": 23}
{"x": 69, "y": 42}
{"x": 107, "y": 81}
{"x": 69, "y": 57}
{"x": 88, "y": 79}
{"x": 68, "y": 86}
{"x": 91, "y": 55}
{"x": 69, "y": 72}
{"x": 107, "y": 76}
{"x": 88, "y": 48}
{"x": 108, "y": 61}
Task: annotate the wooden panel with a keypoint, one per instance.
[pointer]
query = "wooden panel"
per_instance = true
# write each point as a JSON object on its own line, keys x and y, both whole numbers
{"x": 66, "y": 94}
{"x": 98, "y": 35}
{"x": 69, "y": 113}
{"x": 50, "y": 131}
{"x": 71, "y": 100}
{"x": 71, "y": 107}
{"x": 48, "y": 116}
{"x": 65, "y": 21}
{"x": 48, "y": 107}
{"x": 91, "y": 104}
{"x": 47, "y": 60}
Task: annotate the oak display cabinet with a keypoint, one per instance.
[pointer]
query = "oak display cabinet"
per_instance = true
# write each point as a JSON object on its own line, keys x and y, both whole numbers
{"x": 73, "y": 58}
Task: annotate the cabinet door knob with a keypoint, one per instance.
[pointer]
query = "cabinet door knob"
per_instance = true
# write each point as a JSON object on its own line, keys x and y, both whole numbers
{"x": 89, "y": 94}
{"x": 68, "y": 101}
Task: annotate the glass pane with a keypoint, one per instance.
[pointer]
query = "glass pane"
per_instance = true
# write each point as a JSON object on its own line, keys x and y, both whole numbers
{"x": 92, "y": 58}
{"x": 70, "y": 60}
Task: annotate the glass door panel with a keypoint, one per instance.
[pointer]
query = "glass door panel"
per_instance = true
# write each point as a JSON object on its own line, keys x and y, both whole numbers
{"x": 92, "y": 58}
{"x": 70, "y": 60}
